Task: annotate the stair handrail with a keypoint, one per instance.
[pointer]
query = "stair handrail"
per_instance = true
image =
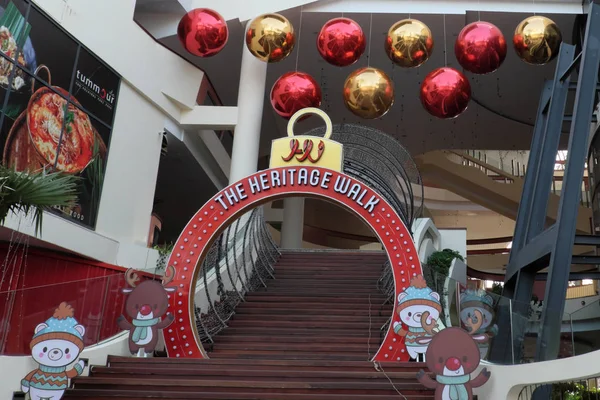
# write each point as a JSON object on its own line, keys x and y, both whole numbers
{"x": 382, "y": 163}
{"x": 484, "y": 165}
{"x": 508, "y": 177}
{"x": 240, "y": 261}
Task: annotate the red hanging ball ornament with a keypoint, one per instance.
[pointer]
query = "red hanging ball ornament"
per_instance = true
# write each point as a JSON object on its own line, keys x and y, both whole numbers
{"x": 203, "y": 32}
{"x": 480, "y": 47}
{"x": 294, "y": 91}
{"x": 445, "y": 93}
{"x": 341, "y": 42}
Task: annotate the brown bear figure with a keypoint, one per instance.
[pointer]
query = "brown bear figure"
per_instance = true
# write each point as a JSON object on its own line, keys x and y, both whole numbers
{"x": 453, "y": 355}
{"x": 146, "y": 304}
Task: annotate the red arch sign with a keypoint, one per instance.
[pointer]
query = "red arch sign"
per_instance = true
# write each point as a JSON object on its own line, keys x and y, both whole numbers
{"x": 181, "y": 338}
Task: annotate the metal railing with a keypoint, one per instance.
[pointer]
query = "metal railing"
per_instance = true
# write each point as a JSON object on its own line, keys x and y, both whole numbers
{"x": 577, "y": 328}
{"x": 383, "y": 164}
{"x": 517, "y": 170}
{"x": 576, "y": 292}
{"x": 241, "y": 260}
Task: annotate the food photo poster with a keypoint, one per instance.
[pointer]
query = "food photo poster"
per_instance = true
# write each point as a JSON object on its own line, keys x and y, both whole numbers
{"x": 58, "y": 103}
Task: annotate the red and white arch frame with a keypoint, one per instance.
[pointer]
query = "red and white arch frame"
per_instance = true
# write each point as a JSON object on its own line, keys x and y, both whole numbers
{"x": 181, "y": 338}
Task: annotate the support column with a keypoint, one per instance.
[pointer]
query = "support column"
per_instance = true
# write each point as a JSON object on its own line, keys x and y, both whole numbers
{"x": 246, "y": 138}
{"x": 292, "y": 226}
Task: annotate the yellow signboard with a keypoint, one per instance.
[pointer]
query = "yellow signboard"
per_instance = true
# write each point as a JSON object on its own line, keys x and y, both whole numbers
{"x": 307, "y": 150}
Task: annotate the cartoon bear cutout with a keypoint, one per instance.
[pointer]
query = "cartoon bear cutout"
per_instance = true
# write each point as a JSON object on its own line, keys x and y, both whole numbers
{"x": 146, "y": 304}
{"x": 419, "y": 309}
{"x": 477, "y": 316}
{"x": 452, "y": 356}
{"x": 56, "y": 343}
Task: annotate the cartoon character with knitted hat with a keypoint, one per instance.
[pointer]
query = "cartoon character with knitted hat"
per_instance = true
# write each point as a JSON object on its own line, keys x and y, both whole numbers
{"x": 419, "y": 308}
{"x": 477, "y": 315}
{"x": 56, "y": 343}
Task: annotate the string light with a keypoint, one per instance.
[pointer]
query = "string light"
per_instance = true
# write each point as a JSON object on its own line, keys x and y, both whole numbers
{"x": 299, "y": 37}
{"x": 445, "y": 49}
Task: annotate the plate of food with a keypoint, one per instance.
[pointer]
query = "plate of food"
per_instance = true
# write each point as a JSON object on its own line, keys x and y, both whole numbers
{"x": 60, "y": 131}
{"x": 19, "y": 152}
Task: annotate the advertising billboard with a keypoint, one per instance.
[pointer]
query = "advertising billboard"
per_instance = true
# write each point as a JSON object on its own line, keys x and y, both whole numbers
{"x": 58, "y": 104}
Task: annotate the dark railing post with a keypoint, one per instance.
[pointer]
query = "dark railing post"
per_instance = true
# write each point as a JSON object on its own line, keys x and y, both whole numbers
{"x": 536, "y": 246}
{"x": 560, "y": 259}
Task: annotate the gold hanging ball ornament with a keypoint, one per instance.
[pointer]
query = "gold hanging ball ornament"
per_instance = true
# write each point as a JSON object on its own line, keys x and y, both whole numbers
{"x": 409, "y": 43}
{"x": 537, "y": 40}
{"x": 369, "y": 93}
{"x": 270, "y": 37}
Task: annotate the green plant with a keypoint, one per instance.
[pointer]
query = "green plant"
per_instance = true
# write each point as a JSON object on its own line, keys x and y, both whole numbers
{"x": 497, "y": 288}
{"x": 437, "y": 270}
{"x": 440, "y": 261}
{"x": 38, "y": 191}
{"x": 95, "y": 177}
{"x": 164, "y": 251}
{"x": 573, "y": 391}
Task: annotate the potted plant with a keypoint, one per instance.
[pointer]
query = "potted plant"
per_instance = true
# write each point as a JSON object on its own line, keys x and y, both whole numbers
{"x": 34, "y": 192}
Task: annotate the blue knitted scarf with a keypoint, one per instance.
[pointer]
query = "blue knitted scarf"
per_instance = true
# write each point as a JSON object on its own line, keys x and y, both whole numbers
{"x": 458, "y": 391}
{"x": 140, "y": 332}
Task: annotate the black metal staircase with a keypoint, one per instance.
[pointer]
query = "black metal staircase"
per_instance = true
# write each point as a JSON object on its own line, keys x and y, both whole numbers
{"x": 537, "y": 244}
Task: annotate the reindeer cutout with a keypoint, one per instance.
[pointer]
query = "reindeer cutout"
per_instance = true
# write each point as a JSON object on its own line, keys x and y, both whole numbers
{"x": 146, "y": 304}
{"x": 477, "y": 316}
{"x": 453, "y": 356}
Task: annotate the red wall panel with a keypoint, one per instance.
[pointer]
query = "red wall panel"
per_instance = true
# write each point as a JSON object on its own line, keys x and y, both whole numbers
{"x": 33, "y": 282}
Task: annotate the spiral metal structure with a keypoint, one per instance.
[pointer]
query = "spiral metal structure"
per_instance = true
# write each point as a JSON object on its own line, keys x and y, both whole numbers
{"x": 241, "y": 260}
{"x": 382, "y": 163}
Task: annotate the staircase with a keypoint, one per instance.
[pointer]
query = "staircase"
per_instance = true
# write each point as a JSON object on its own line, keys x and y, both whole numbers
{"x": 309, "y": 335}
{"x": 487, "y": 185}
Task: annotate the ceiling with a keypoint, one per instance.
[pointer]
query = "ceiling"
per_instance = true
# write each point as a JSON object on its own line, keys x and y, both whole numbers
{"x": 500, "y": 115}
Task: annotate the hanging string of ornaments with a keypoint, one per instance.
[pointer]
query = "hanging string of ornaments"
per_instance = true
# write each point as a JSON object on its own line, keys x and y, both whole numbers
{"x": 368, "y": 92}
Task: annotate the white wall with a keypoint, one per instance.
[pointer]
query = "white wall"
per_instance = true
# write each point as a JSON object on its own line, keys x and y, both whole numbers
{"x": 130, "y": 179}
{"x": 157, "y": 85}
{"x": 591, "y": 310}
{"x": 455, "y": 239}
{"x": 164, "y": 78}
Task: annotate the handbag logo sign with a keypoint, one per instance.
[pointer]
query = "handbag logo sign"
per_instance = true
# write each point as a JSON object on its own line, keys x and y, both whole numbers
{"x": 290, "y": 151}
{"x": 304, "y": 153}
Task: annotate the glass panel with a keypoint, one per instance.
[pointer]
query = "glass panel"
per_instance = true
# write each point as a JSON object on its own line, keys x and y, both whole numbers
{"x": 96, "y": 302}
{"x": 37, "y": 129}
{"x": 22, "y": 150}
{"x": 51, "y": 55}
{"x": 585, "y": 324}
{"x": 95, "y": 87}
{"x": 472, "y": 308}
{"x": 84, "y": 152}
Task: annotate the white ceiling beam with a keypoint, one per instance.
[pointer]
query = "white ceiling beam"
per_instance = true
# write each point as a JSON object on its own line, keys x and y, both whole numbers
{"x": 446, "y": 7}
{"x": 174, "y": 128}
{"x": 217, "y": 150}
{"x": 209, "y": 118}
{"x": 159, "y": 25}
{"x": 205, "y": 159}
